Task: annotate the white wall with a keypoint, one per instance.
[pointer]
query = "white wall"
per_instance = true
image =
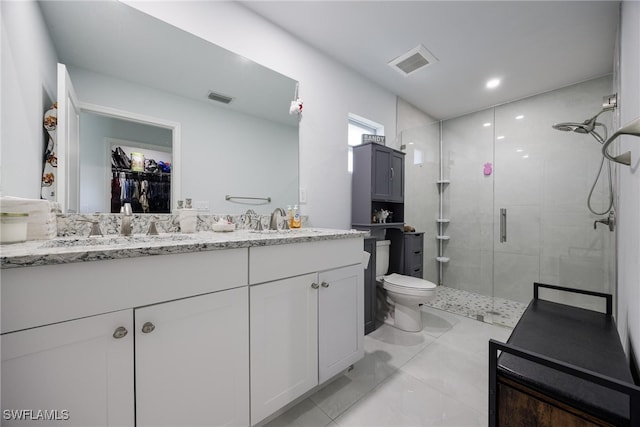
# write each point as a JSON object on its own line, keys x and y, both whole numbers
{"x": 28, "y": 69}
{"x": 330, "y": 91}
{"x": 629, "y": 187}
{"x": 421, "y": 132}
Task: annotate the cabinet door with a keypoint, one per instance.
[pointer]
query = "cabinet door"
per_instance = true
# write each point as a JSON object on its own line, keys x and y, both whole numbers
{"x": 192, "y": 361}
{"x": 340, "y": 319}
{"x": 76, "y": 372}
{"x": 397, "y": 177}
{"x": 284, "y": 342}
{"x": 381, "y": 171}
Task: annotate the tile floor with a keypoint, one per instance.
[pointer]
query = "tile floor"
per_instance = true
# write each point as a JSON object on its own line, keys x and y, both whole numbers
{"x": 480, "y": 307}
{"x": 438, "y": 377}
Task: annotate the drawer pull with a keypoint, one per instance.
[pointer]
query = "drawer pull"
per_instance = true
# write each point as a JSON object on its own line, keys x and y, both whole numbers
{"x": 120, "y": 332}
{"x": 325, "y": 284}
{"x": 315, "y": 285}
{"x": 148, "y": 327}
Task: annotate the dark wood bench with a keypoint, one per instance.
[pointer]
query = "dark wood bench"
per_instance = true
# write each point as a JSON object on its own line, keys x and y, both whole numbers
{"x": 562, "y": 366}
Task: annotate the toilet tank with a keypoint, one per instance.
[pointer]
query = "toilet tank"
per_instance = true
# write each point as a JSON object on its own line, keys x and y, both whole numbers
{"x": 382, "y": 257}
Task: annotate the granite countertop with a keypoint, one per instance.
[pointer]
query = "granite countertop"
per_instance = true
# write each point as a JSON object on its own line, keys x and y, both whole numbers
{"x": 65, "y": 250}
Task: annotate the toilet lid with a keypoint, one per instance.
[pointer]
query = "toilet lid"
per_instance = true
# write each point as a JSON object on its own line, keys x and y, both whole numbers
{"x": 409, "y": 282}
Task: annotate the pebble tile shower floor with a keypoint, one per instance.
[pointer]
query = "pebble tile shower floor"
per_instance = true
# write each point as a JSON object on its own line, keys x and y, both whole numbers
{"x": 479, "y": 307}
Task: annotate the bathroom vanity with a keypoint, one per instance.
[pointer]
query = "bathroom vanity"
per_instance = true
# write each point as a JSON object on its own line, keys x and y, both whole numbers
{"x": 213, "y": 329}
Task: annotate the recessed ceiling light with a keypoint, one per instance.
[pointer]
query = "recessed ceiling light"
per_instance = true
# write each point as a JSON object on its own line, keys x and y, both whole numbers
{"x": 500, "y": 137}
{"x": 526, "y": 156}
{"x": 486, "y": 124}
{"x": 520, "y": 117}
{"x": 519, "y": 150}
{"x": 493, "y": 83}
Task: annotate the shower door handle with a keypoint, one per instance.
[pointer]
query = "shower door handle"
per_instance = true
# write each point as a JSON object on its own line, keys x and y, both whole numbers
{"x": 503, "y": 225}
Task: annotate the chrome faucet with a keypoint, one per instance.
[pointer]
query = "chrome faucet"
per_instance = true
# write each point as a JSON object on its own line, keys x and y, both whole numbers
{"x": 127, "y": 214}
{"x": 273, "y": 222}
{"x": 610, "y": 221}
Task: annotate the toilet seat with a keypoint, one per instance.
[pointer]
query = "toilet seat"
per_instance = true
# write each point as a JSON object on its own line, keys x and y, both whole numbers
{"x": 408, "y": 285}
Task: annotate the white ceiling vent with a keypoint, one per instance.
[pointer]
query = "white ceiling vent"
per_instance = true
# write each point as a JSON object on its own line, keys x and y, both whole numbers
{"x": 410, "y": 62}
{"x": 219, "y": 97}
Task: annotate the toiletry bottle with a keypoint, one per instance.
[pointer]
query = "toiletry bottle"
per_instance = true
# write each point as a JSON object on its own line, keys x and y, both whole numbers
{"x": 297, "y": 221}
{"x": 188, "y": 218}
{"x": 290, "y": 215}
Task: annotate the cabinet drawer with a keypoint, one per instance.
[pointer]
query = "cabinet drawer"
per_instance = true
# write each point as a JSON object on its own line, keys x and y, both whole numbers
{"x": 35, "y": 296}
{"x": 413, "y": 242}
{"x": 277, "y": 262}
{"x": 413, "y": 259}
{"x": 415, "y": 272}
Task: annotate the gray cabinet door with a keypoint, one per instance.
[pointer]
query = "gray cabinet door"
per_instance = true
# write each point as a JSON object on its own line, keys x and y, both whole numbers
{"x": 387, "y": 174}
{"x": 381, "y": 189}
{"x": 397, "y": 177}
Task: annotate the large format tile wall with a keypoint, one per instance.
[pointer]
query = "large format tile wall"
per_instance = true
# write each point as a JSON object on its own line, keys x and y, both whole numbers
{"x": 542, "y": 177}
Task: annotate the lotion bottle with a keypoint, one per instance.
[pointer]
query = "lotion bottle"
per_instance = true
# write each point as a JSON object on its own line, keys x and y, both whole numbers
{"x": 296, "y": 222}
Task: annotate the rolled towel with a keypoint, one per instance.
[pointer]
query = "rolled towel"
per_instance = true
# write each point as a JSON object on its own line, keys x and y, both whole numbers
{"x": 42, "y": 219}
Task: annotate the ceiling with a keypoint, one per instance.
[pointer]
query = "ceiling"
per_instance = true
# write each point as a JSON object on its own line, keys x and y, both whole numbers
{"x": 114, "y": 39}
{"x": 532, "y": 46}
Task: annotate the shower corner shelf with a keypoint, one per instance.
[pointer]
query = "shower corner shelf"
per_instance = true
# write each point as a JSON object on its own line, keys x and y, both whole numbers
{"x": 443, "y": 220}
{"x": 442, "y": 259}
{"x": 443, "y": 237}
{"x": 443, "y": 181}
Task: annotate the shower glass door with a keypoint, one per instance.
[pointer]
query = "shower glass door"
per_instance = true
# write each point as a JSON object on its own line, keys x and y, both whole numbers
{"x": 542, "y": 178}
{"x": 517, "y": 204}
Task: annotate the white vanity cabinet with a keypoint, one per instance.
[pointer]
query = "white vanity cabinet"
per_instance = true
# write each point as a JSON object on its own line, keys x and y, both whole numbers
{"x": 340, "y": 320}
{"x": 76, "y": 371}
{"x": 218, "y": 337}
{"x": 191, "y": 365}
{"x": 307, "y": 326}
{"x": 191, "y": 361}
{"x": 284, "y": 343}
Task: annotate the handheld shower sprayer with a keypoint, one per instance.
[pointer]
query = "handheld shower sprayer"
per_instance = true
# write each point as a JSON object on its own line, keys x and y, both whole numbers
{"x": 589, "y": 127}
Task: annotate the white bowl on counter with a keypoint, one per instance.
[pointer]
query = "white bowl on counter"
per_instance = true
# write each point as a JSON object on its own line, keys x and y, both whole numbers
{"x": 13, "y": 227}
{"x": 223, "y": 227}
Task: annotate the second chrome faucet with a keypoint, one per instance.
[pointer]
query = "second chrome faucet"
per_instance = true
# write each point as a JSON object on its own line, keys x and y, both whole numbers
{"x": 127, "y": 215}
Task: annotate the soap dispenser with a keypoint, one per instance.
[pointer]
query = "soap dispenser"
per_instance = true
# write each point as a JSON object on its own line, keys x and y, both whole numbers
{"x": 188, "y": 218}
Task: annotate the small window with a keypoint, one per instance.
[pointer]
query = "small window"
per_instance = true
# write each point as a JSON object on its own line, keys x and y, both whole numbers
{"x": 359, "y": 126}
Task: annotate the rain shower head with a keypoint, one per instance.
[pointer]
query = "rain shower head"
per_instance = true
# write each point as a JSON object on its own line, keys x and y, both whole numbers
{"x": 584, "y": 127}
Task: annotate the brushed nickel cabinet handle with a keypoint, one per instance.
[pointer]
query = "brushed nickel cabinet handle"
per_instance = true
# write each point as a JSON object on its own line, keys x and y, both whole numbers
{"x": 120, "y": 332}
{"x": 315, "y": 285}
{"x": 325, "y": 284}
{"x": 148, "y": 327}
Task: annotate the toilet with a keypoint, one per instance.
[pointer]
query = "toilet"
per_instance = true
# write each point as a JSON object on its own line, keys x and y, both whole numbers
{"x": 404, "y": 293}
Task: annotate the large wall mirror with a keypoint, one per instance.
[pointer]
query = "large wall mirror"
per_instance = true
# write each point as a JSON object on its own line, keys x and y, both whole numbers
{"x": 145, "y": 83}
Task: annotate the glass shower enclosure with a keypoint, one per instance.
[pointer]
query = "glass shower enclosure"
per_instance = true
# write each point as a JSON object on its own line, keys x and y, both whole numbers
{"x": 501, "y": 196}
